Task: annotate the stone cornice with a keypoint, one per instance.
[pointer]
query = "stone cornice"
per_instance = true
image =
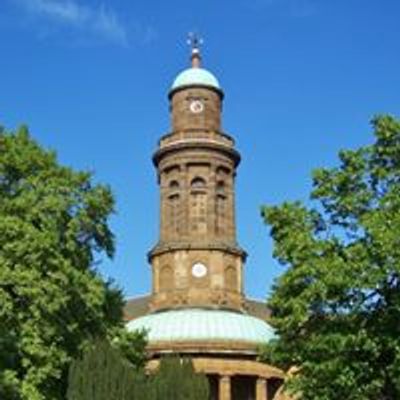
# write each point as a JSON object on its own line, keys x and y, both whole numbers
{"x": 161, "y": 248}
{"x": 196, "y": 86}
{"x": 196, "y": 144}
{"x": 230, "y": 367}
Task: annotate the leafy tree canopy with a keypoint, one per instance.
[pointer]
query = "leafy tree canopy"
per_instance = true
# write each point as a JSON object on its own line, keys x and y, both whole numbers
{"x": 53, "y": 223}
{"x": 337, "y": 306}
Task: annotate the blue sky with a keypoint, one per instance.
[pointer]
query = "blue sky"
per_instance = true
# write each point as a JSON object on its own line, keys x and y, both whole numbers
{"x": 302, "y": 79}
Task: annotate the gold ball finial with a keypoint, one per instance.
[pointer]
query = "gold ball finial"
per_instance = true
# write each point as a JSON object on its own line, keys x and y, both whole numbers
{"x": 194, "y": 41}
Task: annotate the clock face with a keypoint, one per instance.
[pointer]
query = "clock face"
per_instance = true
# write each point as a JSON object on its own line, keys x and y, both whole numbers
{"x": 196, "y": 106}
{"x": 199, "y": 270}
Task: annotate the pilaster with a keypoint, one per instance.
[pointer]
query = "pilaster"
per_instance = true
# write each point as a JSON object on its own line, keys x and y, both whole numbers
{"x": 261, "y": 389}
{"x": 225, "y": 387}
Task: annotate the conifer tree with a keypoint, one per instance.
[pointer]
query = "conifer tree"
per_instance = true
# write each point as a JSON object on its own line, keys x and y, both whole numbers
{"x": 103, "y": 374}
{"x": 177, "y": 380}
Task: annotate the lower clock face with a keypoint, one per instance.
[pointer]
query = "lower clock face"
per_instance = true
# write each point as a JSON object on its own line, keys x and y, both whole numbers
{"x": 196, "y": 106}
{"x": 199, "y": 270}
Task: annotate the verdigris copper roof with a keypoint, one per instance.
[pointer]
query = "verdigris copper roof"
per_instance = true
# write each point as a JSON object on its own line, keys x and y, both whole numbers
{"x": 195, "y": 76}
{"x": 138, "y": 306}
{"x": 194, "y": 324}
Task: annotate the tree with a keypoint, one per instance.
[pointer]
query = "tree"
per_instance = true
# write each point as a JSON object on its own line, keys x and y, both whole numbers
{"x": 104, "y": 374}
{"x": 177, "y": 380}
{"x": 337, "y": 306}
{"x": 53, "y": 227}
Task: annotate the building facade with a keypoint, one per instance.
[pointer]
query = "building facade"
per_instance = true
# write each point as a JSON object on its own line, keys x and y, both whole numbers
{"x": 197, "y": 307}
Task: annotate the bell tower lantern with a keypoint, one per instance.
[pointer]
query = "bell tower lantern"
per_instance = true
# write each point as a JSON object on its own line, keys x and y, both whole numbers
{"x": 199, "y": 106}
{"x": 197, "y": 261}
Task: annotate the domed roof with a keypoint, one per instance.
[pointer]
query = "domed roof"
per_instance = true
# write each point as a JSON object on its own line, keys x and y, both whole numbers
{"x": 203, "y": 325}
{"x": 195, "y": 76}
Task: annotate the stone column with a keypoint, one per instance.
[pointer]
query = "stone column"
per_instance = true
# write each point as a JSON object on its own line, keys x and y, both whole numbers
{"x": 224, "y": 387}
{"x": 261, "y": 389}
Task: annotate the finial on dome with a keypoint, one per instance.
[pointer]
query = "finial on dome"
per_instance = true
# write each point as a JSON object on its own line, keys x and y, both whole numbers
{"x": 194, "y": 41}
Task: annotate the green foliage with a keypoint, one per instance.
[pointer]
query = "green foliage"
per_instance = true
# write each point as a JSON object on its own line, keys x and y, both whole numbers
{"x": 337, "y": 306}
{"x": 53, "y": 223}
{"x": 103, "y": 374}
{"x": 132, "y": 346}
{"x": 176, "y": 380}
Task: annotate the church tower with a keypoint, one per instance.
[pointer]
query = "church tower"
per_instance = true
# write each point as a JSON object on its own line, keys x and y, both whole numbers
{"x": 197, "y": 307}
{"x": 197, "y": 261}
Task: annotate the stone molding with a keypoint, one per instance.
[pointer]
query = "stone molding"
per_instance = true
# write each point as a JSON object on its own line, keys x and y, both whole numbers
{"x": 194, "y": 86}
{"x": 202, "y": 347}
{"x": 229, "y": 367}
{"x": 196, "y": 144}
{"x": 161, "y": 248}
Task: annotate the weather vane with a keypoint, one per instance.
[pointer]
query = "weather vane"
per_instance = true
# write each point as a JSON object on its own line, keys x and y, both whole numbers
{"x": 195, "y": 41}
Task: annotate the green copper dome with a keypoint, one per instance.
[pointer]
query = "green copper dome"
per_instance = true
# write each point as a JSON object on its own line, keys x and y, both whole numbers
{"x": 202, "y": 325}
{"x": 195, "y": 76}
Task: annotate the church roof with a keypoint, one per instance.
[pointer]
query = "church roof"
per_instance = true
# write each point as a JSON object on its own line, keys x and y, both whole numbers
{"x": 196, "y": 324}
{"x": 138, "y": 306}
{"x": 195, "y": 76}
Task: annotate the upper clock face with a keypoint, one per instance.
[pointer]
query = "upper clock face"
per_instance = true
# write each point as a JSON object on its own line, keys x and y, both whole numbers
{"x": 199, "y": 270}
{"x": 196, "y": 106}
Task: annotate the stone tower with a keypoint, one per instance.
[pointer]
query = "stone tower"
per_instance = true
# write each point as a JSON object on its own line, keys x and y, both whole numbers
{"x": 197, "y": 308}
{"x": 197, "y": 261}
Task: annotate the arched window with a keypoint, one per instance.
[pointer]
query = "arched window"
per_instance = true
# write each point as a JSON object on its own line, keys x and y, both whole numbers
{"x": 220, "y": 187}
{"x": 174, "y": 185}
{"x": 231, "y": 278}
{"x": 223, "y": 172}
{"x": 166, "y": 278}
{"x": 198, "y": 206}
{"x": 220, "y": 208}
{"x": 198, "y": 183}
{"x": 174, "y": 210}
